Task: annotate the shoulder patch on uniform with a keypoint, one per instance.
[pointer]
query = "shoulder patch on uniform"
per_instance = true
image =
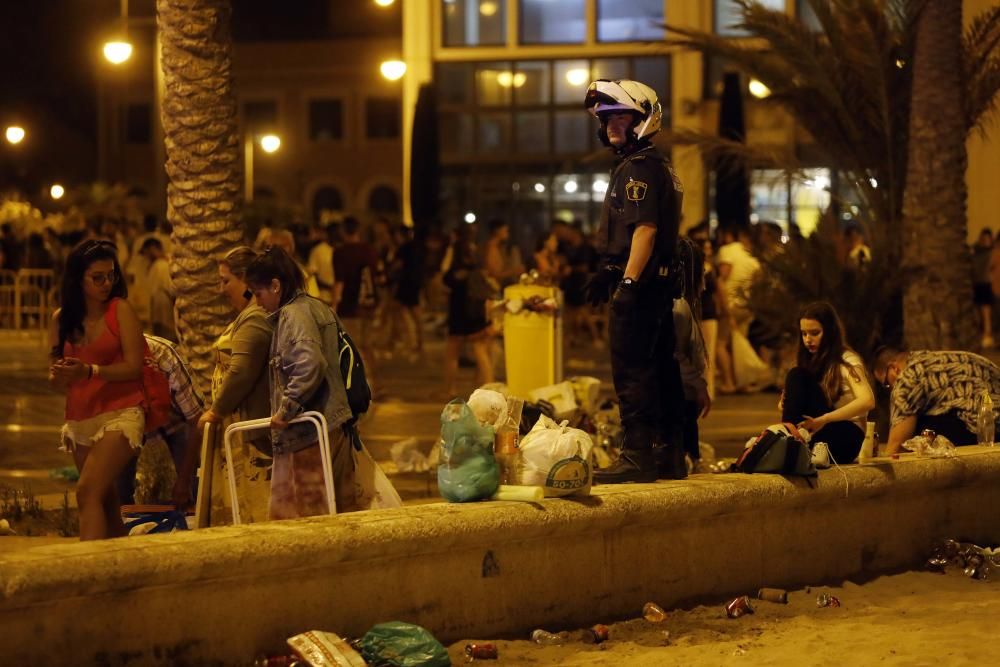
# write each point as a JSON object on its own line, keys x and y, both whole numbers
{"x": 678, "y": 186}
{"x": 635, "y": 190}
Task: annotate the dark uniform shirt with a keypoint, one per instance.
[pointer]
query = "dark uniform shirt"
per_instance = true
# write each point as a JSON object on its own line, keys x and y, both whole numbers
{"x": 643, "y": 189}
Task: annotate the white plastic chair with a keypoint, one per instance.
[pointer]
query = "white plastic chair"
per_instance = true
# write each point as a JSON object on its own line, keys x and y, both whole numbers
{"x": 317, "y": 420}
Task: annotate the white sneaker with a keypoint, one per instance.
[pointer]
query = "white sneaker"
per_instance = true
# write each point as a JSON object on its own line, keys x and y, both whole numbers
{"x": 821, "y": 455}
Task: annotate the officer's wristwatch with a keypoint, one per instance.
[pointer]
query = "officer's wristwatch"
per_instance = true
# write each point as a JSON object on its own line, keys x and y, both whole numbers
{"x": 629, "y": 282}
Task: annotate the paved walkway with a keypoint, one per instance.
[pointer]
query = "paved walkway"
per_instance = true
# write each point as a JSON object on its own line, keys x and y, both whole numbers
{"x": 31, "y": 413}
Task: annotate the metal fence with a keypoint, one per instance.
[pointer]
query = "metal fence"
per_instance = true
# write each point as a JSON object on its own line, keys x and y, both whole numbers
{"x": 27, "y": 298}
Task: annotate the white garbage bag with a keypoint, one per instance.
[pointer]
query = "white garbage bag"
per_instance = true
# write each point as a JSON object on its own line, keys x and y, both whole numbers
{"x": 557, "y": 458}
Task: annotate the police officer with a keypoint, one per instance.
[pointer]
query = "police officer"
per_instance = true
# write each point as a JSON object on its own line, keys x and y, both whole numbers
{"x": 636, "y": 239}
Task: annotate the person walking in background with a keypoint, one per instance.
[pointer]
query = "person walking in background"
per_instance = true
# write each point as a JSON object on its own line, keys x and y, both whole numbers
{"x": 240, "y": 391}
{"x": 407, "y": 279}
{"x": 467, "y": 321}
{"x": 736, "y": 267}
{"x": 305, "y": 376}
{"x": 982, "y": 288}
{"x": 548, "y": 262}
{"x": 355, "y": 293}
{"x": 320, "y": 263}
{"x": 500, "y": 262}
{"x": 827, "y": 392}
{"x": 160, "y": 288}
{"x": 859, "y": 255}
{"x": 97, "y": 353}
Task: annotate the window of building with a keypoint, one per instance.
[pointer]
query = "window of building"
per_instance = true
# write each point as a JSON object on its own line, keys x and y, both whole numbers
{"x": 384, "y": 199}
{"x": 138, "y": 124}
{"x": 571, "y": 80}
{"x": 553, "y": 22}
{"x": 260, "y": 115}
{"x": 728, "y": 15}
{"x": 474, "y": 22}
{"x": 632, "y": 21}
{"x": 326, "y": 200}
{"x": 455, "y": 83}
{"x": 383, "y": 118}
{"x": 533, "y": 77}
{"x": 326, "y": 120}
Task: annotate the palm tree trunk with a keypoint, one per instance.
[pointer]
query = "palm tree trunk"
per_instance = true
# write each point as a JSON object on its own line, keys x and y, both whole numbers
{"x": 203, "y": 165}
{"x": 937, "y": 300}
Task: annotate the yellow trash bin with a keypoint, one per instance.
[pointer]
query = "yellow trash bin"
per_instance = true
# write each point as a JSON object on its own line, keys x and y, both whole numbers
{"x": 532, "y": 341}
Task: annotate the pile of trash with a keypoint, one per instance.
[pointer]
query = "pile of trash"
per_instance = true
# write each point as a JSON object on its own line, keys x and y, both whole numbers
{"x": 392, "y": 644}
{"x": 497, "y": 446}
{"x": 976, "y": 562}
{"x": 930, "y": 444}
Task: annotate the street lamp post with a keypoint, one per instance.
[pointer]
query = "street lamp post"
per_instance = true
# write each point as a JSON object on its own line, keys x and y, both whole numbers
{"x": 269, "y": 143}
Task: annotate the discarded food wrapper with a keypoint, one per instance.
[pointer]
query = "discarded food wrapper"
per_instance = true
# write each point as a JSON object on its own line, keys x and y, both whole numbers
{"x": 481, "y": 651}
{"x": 561, "y": 396}
{"x": 324, "y": 649}
{"x": 738, "y": 607}
{"x": 653, "y": 613}
{"x": 587, "y": 391}
{"x": 827, "y": 600}
{"x": 773, "y": 595}
{"x": 929, "y": 444}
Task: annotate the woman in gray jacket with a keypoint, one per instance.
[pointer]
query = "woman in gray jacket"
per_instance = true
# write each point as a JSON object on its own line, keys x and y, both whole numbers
{"x": 240, "y": 393}
{"x": 304, "y": 376}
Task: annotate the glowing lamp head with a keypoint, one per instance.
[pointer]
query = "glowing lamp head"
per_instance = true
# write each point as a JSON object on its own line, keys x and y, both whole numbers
{"x": 393, "y": 70}
{"x": 57, "y": 191}
{"x": 270, "y": 143}
{"x": 117, "y": 52}
{"x": 15, "y": 134}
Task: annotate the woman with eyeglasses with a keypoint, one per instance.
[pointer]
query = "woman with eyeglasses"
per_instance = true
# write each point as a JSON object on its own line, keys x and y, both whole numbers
{"x": 828, "y": 393}
{"x": 96, "y": 355}
{"x": 240, "y": 391}
{"x": 305, "y": 376}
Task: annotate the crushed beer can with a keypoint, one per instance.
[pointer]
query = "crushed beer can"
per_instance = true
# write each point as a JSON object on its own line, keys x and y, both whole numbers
{"x": 653, "y": 613}
{"x": 827, "y": 600}
{"x": 601, "y": 633}
{"x": 739, "y": 607}
{"x": 773, "y": 595}
{"x": 481, "y": 652}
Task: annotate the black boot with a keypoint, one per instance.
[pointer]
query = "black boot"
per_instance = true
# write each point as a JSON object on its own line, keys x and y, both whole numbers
{"x": 633, "y": 465}
{"x": 670, "y": 462}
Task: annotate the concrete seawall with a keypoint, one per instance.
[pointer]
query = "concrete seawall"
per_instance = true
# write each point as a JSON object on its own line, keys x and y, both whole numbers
{"x": 220, "y": 596}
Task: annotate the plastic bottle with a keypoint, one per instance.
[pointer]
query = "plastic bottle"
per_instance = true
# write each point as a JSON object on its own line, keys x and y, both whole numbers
{"x": 868, "y": 446}
{"x": 546, "y": 638}
{"x": 985, "y": 423}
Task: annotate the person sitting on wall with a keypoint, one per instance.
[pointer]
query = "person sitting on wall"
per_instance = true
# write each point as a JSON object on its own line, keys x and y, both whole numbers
{"x": 935, "y": 390}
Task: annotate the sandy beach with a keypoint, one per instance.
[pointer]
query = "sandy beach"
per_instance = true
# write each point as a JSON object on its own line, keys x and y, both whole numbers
{"x": 915, "y": 618}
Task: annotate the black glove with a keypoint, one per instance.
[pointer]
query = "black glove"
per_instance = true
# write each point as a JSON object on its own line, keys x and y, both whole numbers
{"x": 625, "y": 296}
{"x": 599, "y": 285}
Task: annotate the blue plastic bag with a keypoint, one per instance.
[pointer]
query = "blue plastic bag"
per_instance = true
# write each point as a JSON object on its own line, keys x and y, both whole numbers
{"x": 399, "y": 644}
{"x": 468, "y": 470}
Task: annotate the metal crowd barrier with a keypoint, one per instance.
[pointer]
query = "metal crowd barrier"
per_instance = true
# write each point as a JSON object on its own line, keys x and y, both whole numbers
{"x": 27, "y": 298}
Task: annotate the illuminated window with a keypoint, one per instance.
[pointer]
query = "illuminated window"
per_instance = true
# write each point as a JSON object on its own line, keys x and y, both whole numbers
{"x": 636, "y": 20}
{"x": 553, "y": 22}
{"x": 474, "y": 22}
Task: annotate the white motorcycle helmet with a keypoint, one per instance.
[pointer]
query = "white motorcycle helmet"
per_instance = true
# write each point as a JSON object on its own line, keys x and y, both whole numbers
{"x": 604, "y": 96}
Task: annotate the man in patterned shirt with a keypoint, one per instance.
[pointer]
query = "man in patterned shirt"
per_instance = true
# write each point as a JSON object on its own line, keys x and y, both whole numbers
{"x": 181, "y": 434}
{"x": 935, "y": 390}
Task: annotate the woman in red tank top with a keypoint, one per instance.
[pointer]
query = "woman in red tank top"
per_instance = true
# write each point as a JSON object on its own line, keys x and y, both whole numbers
{"x": 97, "y": 357}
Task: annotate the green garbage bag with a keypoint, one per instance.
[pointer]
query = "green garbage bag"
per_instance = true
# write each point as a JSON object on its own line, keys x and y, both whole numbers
{"x": 399, "y": 644}
{"x": 468, "y": 469}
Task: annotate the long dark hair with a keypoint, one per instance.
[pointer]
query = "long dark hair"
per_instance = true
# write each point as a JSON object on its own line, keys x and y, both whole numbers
{"x": 275, "y": 264}
{"x": 826, "y": 362}
{"x": 73, "y": 303}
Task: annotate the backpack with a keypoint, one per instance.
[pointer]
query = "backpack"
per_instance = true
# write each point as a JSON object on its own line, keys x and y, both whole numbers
{"x": 777, "y": 450}
{"x": 352, "y": 370}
